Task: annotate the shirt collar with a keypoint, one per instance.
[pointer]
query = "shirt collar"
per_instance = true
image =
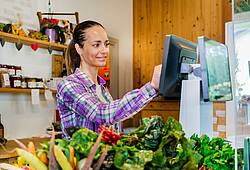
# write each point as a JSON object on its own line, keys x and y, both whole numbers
{"x": 86, "y": 80}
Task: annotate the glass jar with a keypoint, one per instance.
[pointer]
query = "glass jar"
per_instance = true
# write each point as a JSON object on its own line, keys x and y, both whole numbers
{"x": 15, "y": 81}
{"x": 39, "y": 83}
{"x": 31, "y": 83}
{"x": 11, "y": 70}
{"x": 3, "y": 68}
{"x": 4, "y": 76}
{"x": 18, "y": 70}
{"x": 23, "y": 83}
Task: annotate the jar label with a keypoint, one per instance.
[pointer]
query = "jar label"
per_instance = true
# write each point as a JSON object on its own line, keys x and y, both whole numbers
{"x": 17, "y": 83}
{"x": 39, "y": 85}
{"x": 31, "y": 84}
{"x": 18, "y": 72}
{"x": 24, "y": 84}
{"x": 11, "y": 72}
{"x": 3, "y": 70}
{"x": 6, "y": 80}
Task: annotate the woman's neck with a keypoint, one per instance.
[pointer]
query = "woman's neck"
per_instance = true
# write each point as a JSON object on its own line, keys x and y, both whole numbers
{"x": 91, "y": 72}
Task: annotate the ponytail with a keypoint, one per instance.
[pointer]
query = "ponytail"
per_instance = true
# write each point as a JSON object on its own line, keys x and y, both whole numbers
{"x": 72, "y": 58}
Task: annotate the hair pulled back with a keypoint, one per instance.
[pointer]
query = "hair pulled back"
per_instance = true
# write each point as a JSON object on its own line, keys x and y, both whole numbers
{"x": 79, "y": 37}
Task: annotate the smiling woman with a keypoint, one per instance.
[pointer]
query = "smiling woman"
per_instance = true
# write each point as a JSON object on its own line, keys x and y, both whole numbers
{"x": 83, "y": 99}
{"x": 96, "y": 48}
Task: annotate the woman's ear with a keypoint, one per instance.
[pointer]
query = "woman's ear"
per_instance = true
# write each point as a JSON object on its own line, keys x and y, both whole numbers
{"x": 78, "y": 49}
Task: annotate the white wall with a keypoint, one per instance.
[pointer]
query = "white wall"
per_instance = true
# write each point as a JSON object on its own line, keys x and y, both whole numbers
{"x": 20, "y": 117}
{"x": 117, "y": 17}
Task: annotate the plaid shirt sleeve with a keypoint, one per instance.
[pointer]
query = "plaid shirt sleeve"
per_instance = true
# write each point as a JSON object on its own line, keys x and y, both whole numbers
{"x": 80, "y": 101}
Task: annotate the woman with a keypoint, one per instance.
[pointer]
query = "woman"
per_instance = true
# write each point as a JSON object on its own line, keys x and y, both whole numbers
{"x": 83, "y": 100}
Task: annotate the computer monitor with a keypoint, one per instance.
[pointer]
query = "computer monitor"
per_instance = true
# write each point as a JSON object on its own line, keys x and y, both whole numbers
{"x": 177, "y": 51}
{"x": 215, "y": 72}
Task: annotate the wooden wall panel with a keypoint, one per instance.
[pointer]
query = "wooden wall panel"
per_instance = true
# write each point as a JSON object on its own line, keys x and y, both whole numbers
{"x": 153, "y": 19}
{"x": 162, "y": 108}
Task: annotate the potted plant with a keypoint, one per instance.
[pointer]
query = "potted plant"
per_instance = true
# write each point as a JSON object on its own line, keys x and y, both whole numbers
{"x": 51, "y": 28}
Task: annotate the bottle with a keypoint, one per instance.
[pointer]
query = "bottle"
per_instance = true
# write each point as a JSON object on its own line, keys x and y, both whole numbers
{"x": 1, "y": 129}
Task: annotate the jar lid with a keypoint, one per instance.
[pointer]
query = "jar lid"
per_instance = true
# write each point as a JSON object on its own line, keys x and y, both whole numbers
{"x": 31, "y": 79}
{"x": 39, "y": 79}
{"x": 18, "y": 67}
{"x": 10, "y": 66}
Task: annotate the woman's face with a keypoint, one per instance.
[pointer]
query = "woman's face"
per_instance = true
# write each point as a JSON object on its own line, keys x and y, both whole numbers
{"x": 96, "y": 47}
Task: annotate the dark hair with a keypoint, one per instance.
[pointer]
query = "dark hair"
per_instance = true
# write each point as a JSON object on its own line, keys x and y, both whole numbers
{"x": 72, "y": 57}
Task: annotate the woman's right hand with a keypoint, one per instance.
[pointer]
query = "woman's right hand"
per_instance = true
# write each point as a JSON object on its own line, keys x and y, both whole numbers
{"x": 155, "y": 82}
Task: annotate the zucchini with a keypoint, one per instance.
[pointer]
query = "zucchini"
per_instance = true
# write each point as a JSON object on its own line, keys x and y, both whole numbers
{"x": 31, "y": 159}
{"x": 61, "y": 158}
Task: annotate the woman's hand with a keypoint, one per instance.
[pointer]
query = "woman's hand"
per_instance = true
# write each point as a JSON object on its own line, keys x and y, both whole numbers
{"x": 155, "y": 82}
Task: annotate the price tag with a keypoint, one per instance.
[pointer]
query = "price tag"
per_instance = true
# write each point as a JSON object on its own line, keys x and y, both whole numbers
{"x": 220, "y": 113}
{"x": 48, "y": 95}
{"x": 35, "y": 99}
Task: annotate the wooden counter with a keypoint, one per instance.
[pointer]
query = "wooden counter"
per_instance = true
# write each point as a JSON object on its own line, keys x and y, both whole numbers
{"x": 163, "y": 108}
{"x": 11, "y": 144}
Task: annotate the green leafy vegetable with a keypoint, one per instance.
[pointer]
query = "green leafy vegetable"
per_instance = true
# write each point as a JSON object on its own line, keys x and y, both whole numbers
{"x": 146, "y": 137}
{"x": 82, "y": 141}
{"x": 167, "y": 147}
{"x": 175, "y": 151}
{"x": 130, "y": 158}
{"x": 216, "y": 153}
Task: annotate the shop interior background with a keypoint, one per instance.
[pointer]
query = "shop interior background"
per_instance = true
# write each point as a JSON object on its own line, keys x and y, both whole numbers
{"x": 21, "y": 118}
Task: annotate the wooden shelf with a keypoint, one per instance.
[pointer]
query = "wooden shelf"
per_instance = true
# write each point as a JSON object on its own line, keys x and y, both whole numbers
{"x": 28, "y": 41}
{"x": 11, "y": 144}
{"x": 20, "y": 90}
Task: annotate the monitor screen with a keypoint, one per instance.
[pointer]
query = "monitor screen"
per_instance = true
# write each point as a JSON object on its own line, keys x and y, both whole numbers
{"x": 216, "y": 82}
{"x": 176, "y": 51}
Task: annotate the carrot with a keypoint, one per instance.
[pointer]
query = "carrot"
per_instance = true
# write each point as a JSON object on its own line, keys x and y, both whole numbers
{"x": 31, "y": 159}
{"x": 43, "y": 157}
{"x": 75, "y": 163}
{"x": 61, "y": 158}
{"x": 203, "y": 167}
{"x": 71, "y": 156}
{"x": 31, "y": 148}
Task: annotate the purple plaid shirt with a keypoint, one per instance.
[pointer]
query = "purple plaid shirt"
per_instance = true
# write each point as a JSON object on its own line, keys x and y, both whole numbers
{"x": 79, "y": 105}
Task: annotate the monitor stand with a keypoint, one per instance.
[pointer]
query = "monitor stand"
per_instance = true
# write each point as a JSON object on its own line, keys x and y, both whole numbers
{"x": 196, "y": 116}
